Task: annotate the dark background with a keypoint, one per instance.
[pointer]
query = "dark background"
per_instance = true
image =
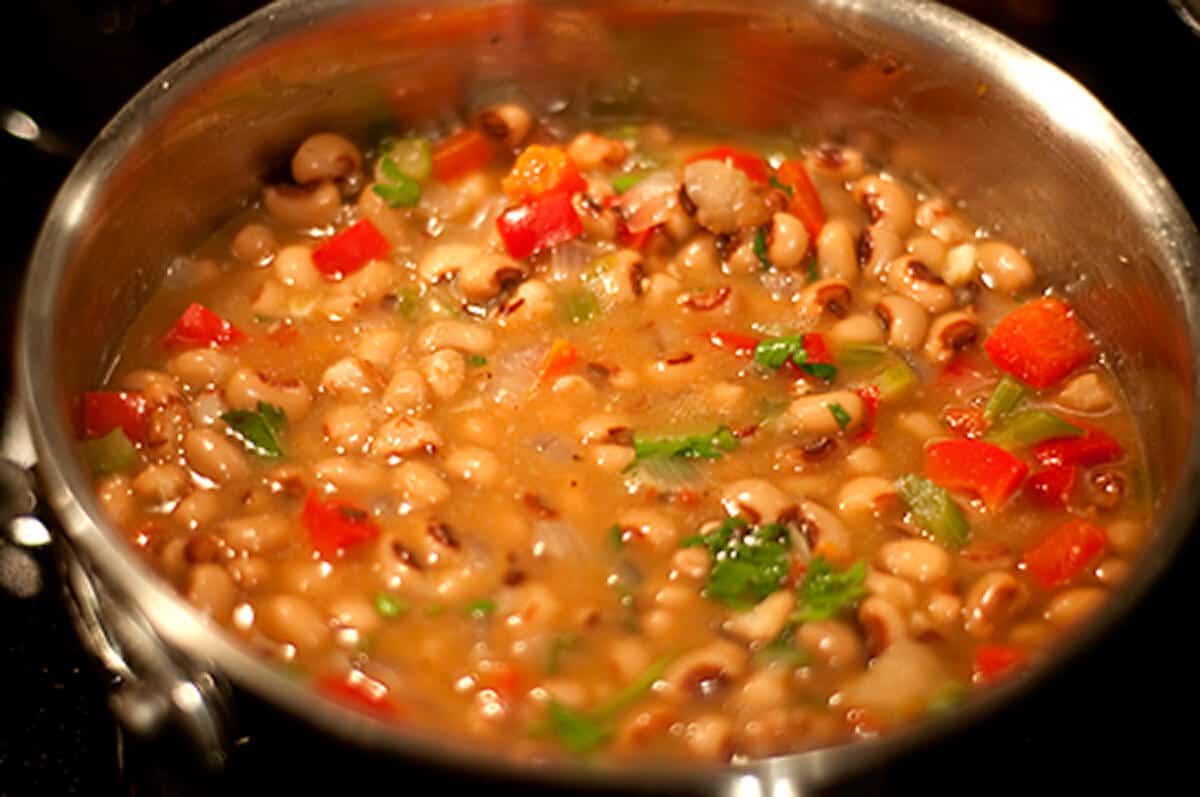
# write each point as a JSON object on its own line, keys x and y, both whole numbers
{"x": 1123, "y": 715}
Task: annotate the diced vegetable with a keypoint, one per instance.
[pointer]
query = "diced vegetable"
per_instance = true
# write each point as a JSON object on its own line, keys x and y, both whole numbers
{"x": 335, "y": 525}
{"x": 623, "y": 182}
{"x": 1004, "y": 399}
{"x": 580, "y": 306}
{"x": 582, "y": 732}
{"x": 357, "y": 690}
{"x": 896, "y": 381}
{"x": 948, "y": 697}
{"x": 869, "y": 396}
{"x": 540, "y": 170}
{"x": 1093, "y": 448}
{"x": 806, "y": 352}
{"x": 752, "y": 165}
{"x": 965, "y": 421}
{"x": 934, "y": 510}
{"x": 411, "y": 157}
{"x": 860, "y": 355}
{"x": 805, "y": 202}
{"x": 476, "y": 361}
{"x": 783, "y": 650}
{"x": 104, "y": 411}
{"x": 561, "y": 357}
{"x": 994, "y": 662}
{"x": 399, "y": 190}
{"x": 350, "y": 250}
{"x": 461, "y": 154}
{"x": 481, "y": 608}
{"x": 1029, "y": 427}
{"x": 199, "y": 326}
{"x": 1052, "y": 486}
{"x": 538, "y": 225}
{"x": 389, "y": 605}
{"x": 736, "y": 342}
{"x": 1063, "y": 554}
{"x": 826, "y": 591}
{"x": 973, "y": 465}
{"x": 760, "y": 247}
{"x": 749, "y": 562}
{"x": 1040, "y": 342}
{"x": 710, "y": 445}
{"x": 839, "y": 414}
{"x": 663, "y": 472}
{"x": 258, "y": 429}
{"x": 559, "y": 646}
{"x": 111, "y": 453}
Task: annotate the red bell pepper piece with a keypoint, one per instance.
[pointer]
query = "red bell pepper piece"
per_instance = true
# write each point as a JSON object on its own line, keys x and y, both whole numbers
{"x": 805, "y": 203}
{"x": 538, "y": 225}
{"x": 965, "y": 422}
{"x": 870, "y": 400}
{"x": 1094, "y": 448}
{"x": 350, "y": 250}
{"x": 199, "y": 326}
{"x": 104, "y": 411}
{"x": 982, "y": 468}
{"x": 359, "y": 691}
{"x": 541, "y": 170}
{"x": 1040, "y": 342}
{"x": 752, "y": 165}
{"x": 1052, "y": 486}
{"x": 1065, "y": 552}
{"x": 334, "y": 525}
{"x": 559, "y": 359}
{"x": 815, "y": 350}
{"x": 739, "y": 344}
{"x": 462, "y": 153}
{"x": 993, "y": 662}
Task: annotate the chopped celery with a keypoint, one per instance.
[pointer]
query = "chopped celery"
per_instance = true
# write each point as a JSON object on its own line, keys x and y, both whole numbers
{"x": 1004, "y": 399}
{"x": 934, "y": 510}
{"x": 580, "y": 306}
{"x": 623, "y": 182}
{"x": 403, "y": 192}
{"x": 1030, "y": 427}
{"x": 708, "y": 445}
{"x": 389, "y": 605}
{"x": 408, "y": 157}
{"x": 110, "y": 453}
{"x": 896, "y": 381}
{"x": 860, "y": 355}
{"x": 664, "y": 472}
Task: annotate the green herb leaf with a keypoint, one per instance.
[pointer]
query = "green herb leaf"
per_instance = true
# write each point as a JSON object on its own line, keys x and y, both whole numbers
{"x": 109, "y": 454}
{"x": 623, "y": 182}
{"x": 812, "y": 273}
{"x": 476, "y": 360}
{"x": 749, "y": 562}
{"x": 258, "y": 429}
{"x": 934, "y": 510}
{"x": 578, "y": 733}
{"x": 825, "y": 591}
{"x": 580, "y": 306}
{"x": 760, "y": 248}
{"x": 839, "y": 414}
{"x": 434, "y": 610}
{"x": 559, "y": 645}
{"x": 632, "y": 693}
{"x": 775, "y": 182}
{"x": 775, "y": 352}
{"x": 783, "y": 650}
{"x": 616, "y": 537}
{"x": 389, "y": 605}
{"x": 1004, "y": 399}
{"x": 713, "y": 445}
{"x": 478, "y": 609}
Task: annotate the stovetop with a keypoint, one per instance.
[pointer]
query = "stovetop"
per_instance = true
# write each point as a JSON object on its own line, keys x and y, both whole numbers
{"x": 1122, "y": 714}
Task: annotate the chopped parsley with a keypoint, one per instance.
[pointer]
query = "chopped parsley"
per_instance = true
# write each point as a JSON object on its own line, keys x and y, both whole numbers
{"x": 760, "y": 248}
{"x": 775, "y": 182}
{"x": 258, "y": 429}
{"x": 811, "y": 269}
{"x": 839, "y": 414}
{"x": 616, "y": 537}
{"x": 774, "y": 353}
{"x": 389, "y": 605}
{"x": 712, "y": 445}
{"x": 825, "y": 591}
{"x": 476, "y": 360}
{"x": 478, "y": 609}
{"x": 559, "y": 645}
{"x": 749, "y": 562}
{"x": 581, "y": 732}
{"x": 783, "y": 650}
{"x": 946, "y": 698}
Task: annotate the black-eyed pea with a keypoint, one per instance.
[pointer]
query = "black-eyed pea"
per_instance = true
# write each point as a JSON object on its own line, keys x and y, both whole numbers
{"x": 445, "y": 260}
{"x": 610, "y": 457}
{"x": 1126, "y": 537}
{"x": 271, "y": 300}
{"x": 253, "y": 245}
{"x": 458, "y": 200}
{"x": 207, "y": 408}
{"x": 836, "y": 162}
{"x": 292, "y": 620}
{"x": 864, "y": 497}
{"x": 1004, "y": 268}
{"x": 351, "y": 474}
{"x": 483, "y": 277}
{"x": 1073, "y": 606}
{"x": 214, "y": 456}
{"x": 599, "y": 222}
{"x": 406, "y": 393}
{"x": 571, "y": 391}
{"x": 326, "y": 156}
{"x": 347, "y": 427}
{"x": 199, "y": 508}
{"x": 474, "y": 465}
{"x": 293, "y": 267}
{"x": 379, "y": 348}
{"x": 303, "y": 207}
{"x": 827, "y": 297}
{"x": 951, "y": 333}
{"x": 404, "y": 436}
{"x": 912, "y": 278}
{"x": 766, "y": 620}
{"x": 726, "y": 398}
{"x": 533, "y": 301}
{"x": 877, "y": 248}
{"x": 788, "y": 242}
{"x": 161, "y": 484}
{"x": 698, "y": 259}
{"x": 625, "y": 278}
{"x": 368, "y": 284}
{"x": 1086, "y": 392}
{"x": 156, "y": 386}
{"x": 894, "y": 590}
{"x": 823, "y": 414}
{"x": 920, "y": 424}
{"x": 508, "y": 124}
{"x": 629, "y": 657}
{"x": 676, "y": 597}
{"x": 605, "y": 428}
{"x": 824, "y": 532}
{"x": 350, "y": 377}
{"x": 420, "y": 485}
{"x": 350, "y": 611}
{"x": 942, "y": 222}
{"x": 709, "y": 737}
{"x": 257, "y": 534}
{"x": 675, "y": 370}
{"x": 762, "y": 689}
{"x": 1112, "y": 571}
{"x": 461, "y": 335}
{"x": 960, "y": 266}
{"x": 652, "y": 526}
{"x": 445, "y": 372}
{"x": 692, "y": 562}
{"x": 702, "y": 670}
{"x": 528, "y": 609}
{"x": 201, "y": 368}
{"x": 115, "y": 495}
{"x": 247, "y": 387}
{"x": 643, "y": 726}
{"x": 944, "y": 610}
{"x": 858, "y": 328}
{"x": 661, "y": 290}
{"x": 887, "y": 203}
{"x": 723, "y": 197}
{"x": 477, "y": 428}
{"x": 994, "y": 599}
{"x": 837, "y": 252}
{"x": 210, "y": 589}
{"x": 865, "y": 460}
{"x": 566, "y": 691}
{"x": 679, "y": 225}
{"x": 832, "y": 643}
{"x": 659, "y": 624}
{"x": 883, "y": 622}
{"x": 250, "y": 572}
{"x": 929, "y": 250}
{"x": 591, "y": 152}
{"x": 919, "y": 561}
{"x": 758, "y": 500}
